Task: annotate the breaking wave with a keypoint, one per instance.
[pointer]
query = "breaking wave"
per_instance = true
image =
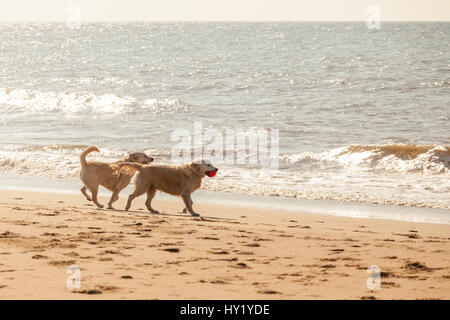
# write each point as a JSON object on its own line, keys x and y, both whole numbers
{"x": 392, "y": 157}
{"x": 415, "y": 175}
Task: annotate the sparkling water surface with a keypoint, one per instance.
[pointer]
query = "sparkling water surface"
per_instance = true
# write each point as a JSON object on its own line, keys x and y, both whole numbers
{"x": 363, "y": 114}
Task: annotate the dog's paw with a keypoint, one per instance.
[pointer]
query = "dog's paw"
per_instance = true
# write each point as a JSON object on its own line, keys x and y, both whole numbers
{"x": 195, "y": 214}
{"x": 154, "y": 211}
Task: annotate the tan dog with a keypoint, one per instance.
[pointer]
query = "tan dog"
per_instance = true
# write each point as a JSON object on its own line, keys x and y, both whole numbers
{"x": 108, "y": 175}
{"x": 175, "y": 180}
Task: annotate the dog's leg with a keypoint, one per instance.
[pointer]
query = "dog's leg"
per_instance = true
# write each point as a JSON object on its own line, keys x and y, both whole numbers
{"x": 188, "y": 202}
{"x": 83, "y": 191}
{"x": 185, "y": 210}
{"x": 136, "y": 193}
{"x": 114, "y": 198}
{"x": 150, "y": 194}
{"x": 94, "y": 191}
{"x": 124, "y": 180}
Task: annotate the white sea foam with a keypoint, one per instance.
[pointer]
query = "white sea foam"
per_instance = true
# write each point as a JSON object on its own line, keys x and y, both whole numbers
{"x": 387, "y": 174}
{"x": 395, "y": 157}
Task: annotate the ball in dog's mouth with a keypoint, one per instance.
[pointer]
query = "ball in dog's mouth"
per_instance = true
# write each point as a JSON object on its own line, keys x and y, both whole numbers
{"x": 211, "y": 173}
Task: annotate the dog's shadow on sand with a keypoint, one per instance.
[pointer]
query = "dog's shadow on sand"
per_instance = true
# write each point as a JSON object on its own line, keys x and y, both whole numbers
{"x": 164, "y": 214}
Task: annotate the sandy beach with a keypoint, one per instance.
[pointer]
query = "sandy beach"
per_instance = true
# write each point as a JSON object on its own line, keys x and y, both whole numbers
{"x": 228, "y": 253}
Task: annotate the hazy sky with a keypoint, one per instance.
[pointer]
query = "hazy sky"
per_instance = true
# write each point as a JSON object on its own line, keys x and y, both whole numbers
{"x": 224, "y": 10}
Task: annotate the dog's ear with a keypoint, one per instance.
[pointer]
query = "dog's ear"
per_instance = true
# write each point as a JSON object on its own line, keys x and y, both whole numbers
{"x": 195, "y": 164}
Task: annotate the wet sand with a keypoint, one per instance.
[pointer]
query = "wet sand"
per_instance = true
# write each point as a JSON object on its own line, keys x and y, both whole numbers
{"x": 228, "y": 253}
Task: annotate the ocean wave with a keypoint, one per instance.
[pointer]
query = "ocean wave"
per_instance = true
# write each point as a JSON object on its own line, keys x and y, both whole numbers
{"x": 56, "y": 161}
{"x": 72, "y": 103}
{"x": 392, "y": 157}
{"x": 402, "y": 158}
{"x": 414, "y": 175}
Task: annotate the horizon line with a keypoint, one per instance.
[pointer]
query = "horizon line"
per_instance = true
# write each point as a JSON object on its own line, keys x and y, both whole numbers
{"x": 210, "y": 21}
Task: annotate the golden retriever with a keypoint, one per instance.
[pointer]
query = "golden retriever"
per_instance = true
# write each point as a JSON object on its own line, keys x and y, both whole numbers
{"x": 109, "y": 175}
{"x": 175, "y": 180}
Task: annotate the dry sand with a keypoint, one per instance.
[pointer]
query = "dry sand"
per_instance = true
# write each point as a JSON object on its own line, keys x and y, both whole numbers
{"x": 228, "y": 253}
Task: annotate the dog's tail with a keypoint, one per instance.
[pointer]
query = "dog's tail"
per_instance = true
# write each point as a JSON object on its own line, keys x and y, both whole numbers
{"x": 134, "y": 165}
{"x": 85, "y": 153}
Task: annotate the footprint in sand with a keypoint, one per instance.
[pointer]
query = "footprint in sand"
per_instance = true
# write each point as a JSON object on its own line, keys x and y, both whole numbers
{"x": 90, "y": 291}
{"x": 219, "y": 282}
{"x": 329, "y": 259}
{"x": 284, "y": 235}
{"x": 336, "y": 251}
{"x": 51, "y": 234}
{"x": 39, "y": 256}
{"x": 409, "y": 235}
{"x": 269, "y": 292}
{"x": 218, "y": 251}
{"x": 390, "y": 284}
{"x": 71, "y": 254}
{"x": 60, "y": 263}
{"x": 368, "y": 298}
{"x": 209, "y": 238}
{"x": 48, "y": 214}
{"x": 106, "y": 259}
{"x": 241, "y": 265}
{"x": 262, "y": 239}
{"x": 417, "y": 266}
{"x": 8, "y": 235}
{"x": 328, "y": 266}
{"x": 253, "y": 245}
{"x": 350, "y": 259}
